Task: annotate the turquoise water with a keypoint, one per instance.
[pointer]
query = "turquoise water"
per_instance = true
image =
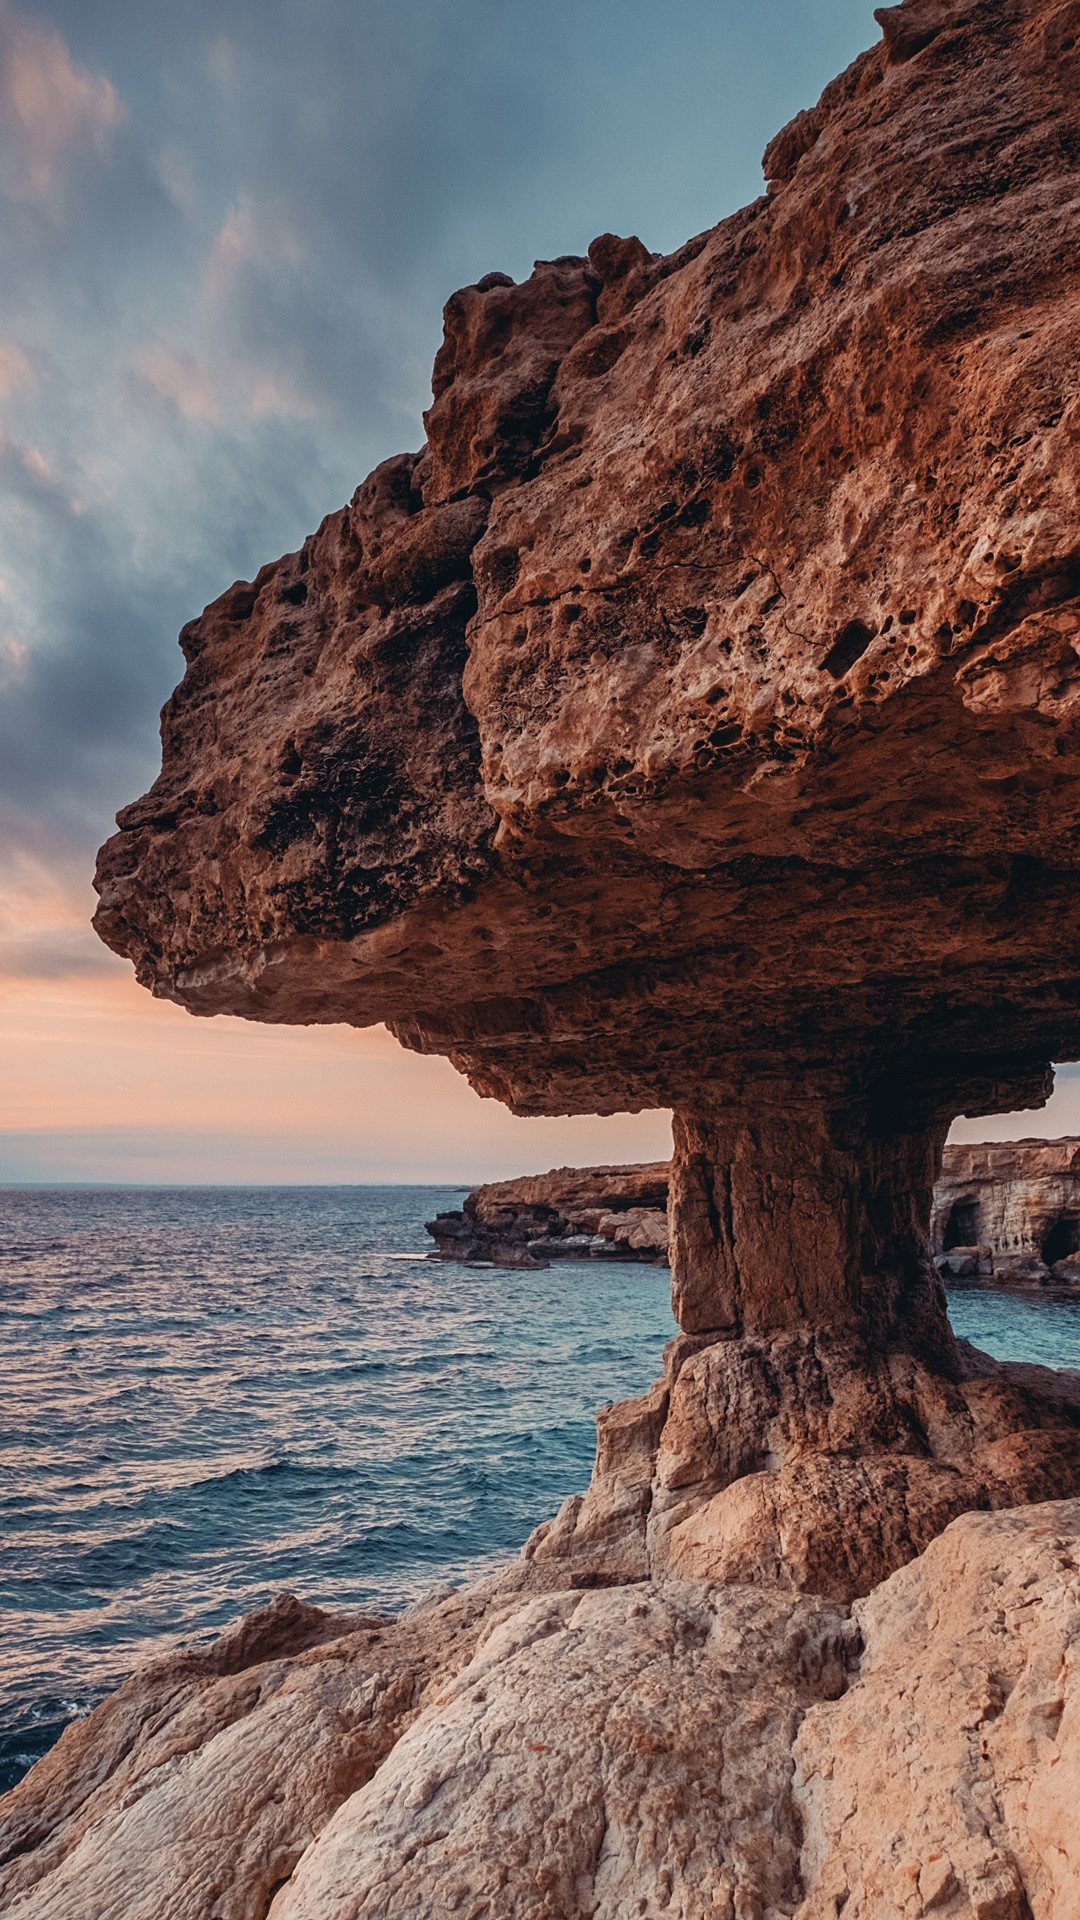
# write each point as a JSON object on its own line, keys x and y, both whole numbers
{"x": 207, "y": 1396}
{"x": 1039, "y": 1326}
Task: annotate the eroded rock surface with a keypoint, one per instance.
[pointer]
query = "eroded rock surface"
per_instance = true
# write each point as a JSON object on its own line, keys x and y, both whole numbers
{"x": 692, "y": 723}
{"x": 701, "y": 1750}
{"x": 1009, "y": 1210}
{"x": 946, "y": 1781}
{"x": 582, "y": 1213}
{"x": 803, "y": 1462}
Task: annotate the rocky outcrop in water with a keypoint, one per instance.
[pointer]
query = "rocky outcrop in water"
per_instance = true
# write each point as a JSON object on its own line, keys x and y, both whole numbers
{"x": 571, "y": 1213}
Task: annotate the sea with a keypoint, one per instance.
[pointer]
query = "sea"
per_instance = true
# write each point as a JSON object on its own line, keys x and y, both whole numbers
{"x": 212, "y": 1395}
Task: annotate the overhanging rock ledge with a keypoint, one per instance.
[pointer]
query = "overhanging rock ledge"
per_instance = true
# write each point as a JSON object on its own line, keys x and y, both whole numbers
{"x": 692, "y": 722}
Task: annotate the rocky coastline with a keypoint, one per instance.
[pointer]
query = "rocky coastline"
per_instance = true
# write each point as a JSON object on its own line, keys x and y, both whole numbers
{"x": 690, "y": 724}
{"x": 999, "y": 1209}
{"x": 571, "y": 1213}
{"x": 694, "y": 1749}
{"x": 566, "y": 1740}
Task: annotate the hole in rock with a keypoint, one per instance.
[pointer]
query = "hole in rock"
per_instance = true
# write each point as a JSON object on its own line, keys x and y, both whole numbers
{"x": 850, "y": 644}
{"x": 962, "y": 1226}
{"x": 1062, "y": 1240}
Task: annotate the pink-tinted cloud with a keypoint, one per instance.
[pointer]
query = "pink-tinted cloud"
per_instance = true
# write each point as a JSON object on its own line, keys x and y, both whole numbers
{"x": 87, "y": 1053}
{"x": 50, "y": 108}
{"x": 95, "y": 1057}
{"x": 252, "y": 234}
{"x": 16, "y": 372}
{"x": 181, "y": 379}
{"x": 45, "y": 928}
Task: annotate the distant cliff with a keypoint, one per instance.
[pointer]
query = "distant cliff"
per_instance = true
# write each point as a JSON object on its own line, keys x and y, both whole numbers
{"x": 1005, "y": 1211}
{"x": 1009, "y": 1210}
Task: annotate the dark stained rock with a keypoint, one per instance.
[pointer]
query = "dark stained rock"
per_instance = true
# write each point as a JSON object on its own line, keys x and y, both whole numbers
{"x": 590, "y": 1213}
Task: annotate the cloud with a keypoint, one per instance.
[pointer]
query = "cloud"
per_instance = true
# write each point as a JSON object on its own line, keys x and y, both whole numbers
{"x": 271, "y": 397}
{"x": 253, "y": 234}
{"x": 14, "y": 659}
{"x": 49, "y": 107}
{"x": 181, "y": 379}
{"x": 16, "y": 373}
{"x": 55, "y": 954}
{"x": 37, "y": 466}
{"x": 174, "y": 170}
{"x": 45, "y": 931}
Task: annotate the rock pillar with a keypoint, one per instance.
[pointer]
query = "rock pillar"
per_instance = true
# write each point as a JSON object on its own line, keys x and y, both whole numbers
{"x": 817, "y": 1423}
{"x": 804, "y": 1218}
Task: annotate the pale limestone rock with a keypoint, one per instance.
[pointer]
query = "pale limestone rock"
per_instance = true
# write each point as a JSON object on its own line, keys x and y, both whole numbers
{"x": 657, "y": 1751}
{"x": 195, "y": 1788}
{"x": 603, "y": 1755}
{"x": 947, "y": 1780}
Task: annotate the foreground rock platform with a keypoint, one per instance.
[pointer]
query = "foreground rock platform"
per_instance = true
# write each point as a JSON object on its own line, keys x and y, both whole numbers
{"x": 680, "y": 1748}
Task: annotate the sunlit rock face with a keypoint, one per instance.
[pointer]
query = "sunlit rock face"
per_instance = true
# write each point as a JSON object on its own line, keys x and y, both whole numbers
{"x": 701, "y": 1749}
{"x": 1009, "y": 1210}
{"x": 691, "y": 722}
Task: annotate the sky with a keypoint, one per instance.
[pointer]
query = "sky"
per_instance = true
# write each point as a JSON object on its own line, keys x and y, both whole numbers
{"x": 228, "y": 229}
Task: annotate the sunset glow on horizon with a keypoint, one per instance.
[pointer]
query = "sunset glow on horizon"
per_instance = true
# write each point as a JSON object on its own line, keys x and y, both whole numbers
{"x": 103, "y": 1083}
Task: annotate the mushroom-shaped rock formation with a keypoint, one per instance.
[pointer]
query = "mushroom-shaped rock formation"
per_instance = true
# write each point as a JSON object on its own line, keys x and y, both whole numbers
{"x": 692, "y": 722}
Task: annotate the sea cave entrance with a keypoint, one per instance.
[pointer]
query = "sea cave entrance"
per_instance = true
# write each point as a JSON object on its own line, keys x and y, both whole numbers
{"x": 962, "y": 1226}
{"x": 1062, "y": 1239}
